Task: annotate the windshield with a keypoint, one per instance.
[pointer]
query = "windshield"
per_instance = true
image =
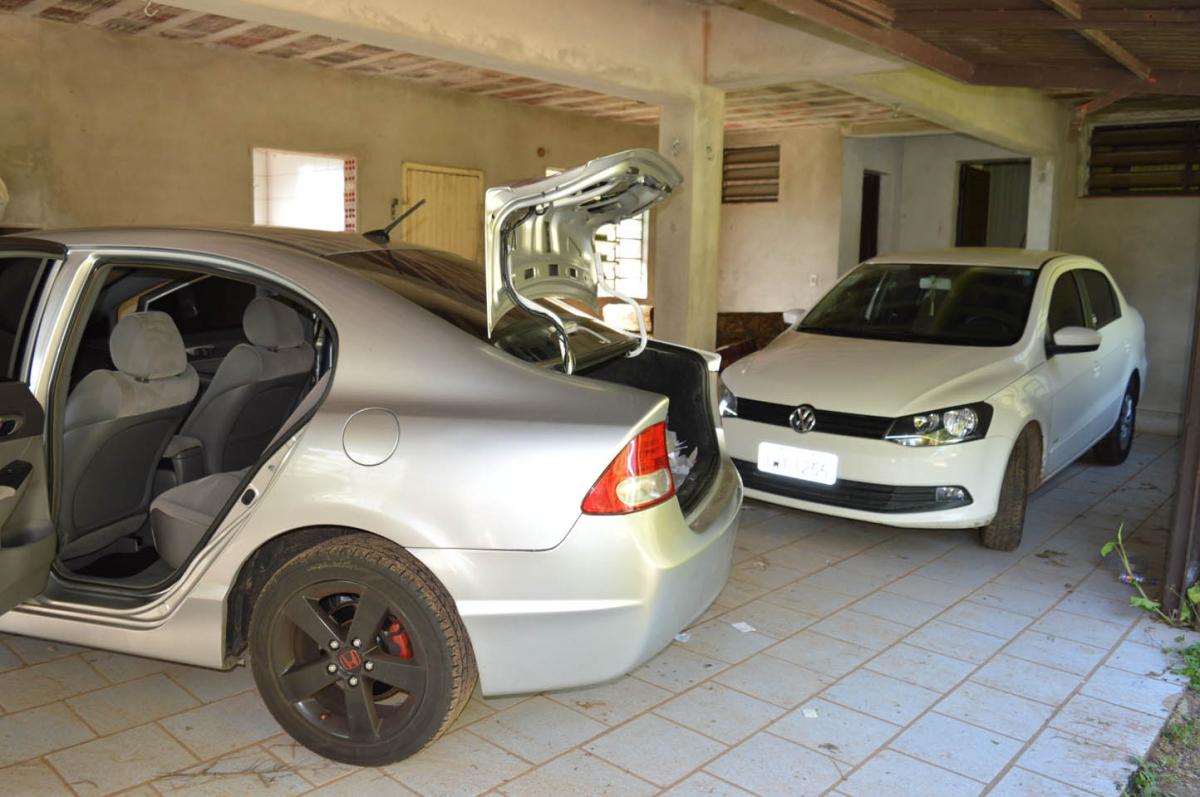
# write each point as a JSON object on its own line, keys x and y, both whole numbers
{"x": 454, "y": 289}
{"x": 955, "y": 305}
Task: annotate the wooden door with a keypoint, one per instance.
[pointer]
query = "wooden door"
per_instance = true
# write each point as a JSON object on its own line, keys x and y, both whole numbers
{"x": 452, "y": 217}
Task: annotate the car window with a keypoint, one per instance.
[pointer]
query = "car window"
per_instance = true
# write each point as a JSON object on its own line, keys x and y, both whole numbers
{"x": 1101, "y": 297}
{"x": 455, "y": 289}
{"x": 948, "y": 304}
{"x": 1066, "y": 309}
{"x": 20, "y": 283}
{"x": 206, "y": 304}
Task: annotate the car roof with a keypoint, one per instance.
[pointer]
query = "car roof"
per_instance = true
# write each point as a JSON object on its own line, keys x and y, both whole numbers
{"x": 314, "y": 242}
{"x": 995, "y": 256}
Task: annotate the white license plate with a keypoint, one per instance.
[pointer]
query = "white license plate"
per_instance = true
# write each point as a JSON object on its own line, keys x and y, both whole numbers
{"x": 798, "y": 463}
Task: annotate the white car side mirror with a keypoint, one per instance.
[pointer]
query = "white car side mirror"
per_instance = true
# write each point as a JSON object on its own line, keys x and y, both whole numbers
{"x": 1073, "y": 340}
{"x": 793, "y": 316}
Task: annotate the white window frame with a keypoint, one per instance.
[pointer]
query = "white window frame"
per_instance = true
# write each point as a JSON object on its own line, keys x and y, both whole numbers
{"x": 283, "y": 178}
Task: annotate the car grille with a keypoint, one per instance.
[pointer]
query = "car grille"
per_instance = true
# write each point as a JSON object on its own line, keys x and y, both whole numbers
{"x": 843, "y": 423}
{"x": 848, "y": 494}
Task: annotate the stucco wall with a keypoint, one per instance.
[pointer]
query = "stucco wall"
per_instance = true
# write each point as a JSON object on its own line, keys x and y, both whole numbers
{"x": 928, "y": 205}
{"x": 884, "y": 156}
{"x": 770, "y": 252}
{"x": 1152, "y": 247}
{"x": 100, "y": 128}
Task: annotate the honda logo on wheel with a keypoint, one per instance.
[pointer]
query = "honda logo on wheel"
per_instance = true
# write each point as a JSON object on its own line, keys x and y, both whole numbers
{"x": 803, "y": 418}
{"x": 350, "y": 660}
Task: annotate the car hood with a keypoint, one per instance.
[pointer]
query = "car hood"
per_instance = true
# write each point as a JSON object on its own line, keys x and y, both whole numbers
{"x": 872, "y": 377}
{"x": 539, "y": 235}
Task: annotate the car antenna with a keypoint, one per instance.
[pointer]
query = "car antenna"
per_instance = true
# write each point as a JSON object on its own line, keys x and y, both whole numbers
{"x": 383, "y": 236}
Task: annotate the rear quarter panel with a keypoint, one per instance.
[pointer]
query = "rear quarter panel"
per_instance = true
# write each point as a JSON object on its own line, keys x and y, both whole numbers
{"x": 492, "y": 452}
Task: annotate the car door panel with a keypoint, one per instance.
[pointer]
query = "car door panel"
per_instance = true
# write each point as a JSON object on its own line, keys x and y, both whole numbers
{"x": 1073, "y": 379}
{"x": 1113, "y": 358}
{"x": 27, "y": 540}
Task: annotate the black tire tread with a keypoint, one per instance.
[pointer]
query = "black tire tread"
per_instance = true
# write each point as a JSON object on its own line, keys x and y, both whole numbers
{"x": 1108, "y": 451}
{"x": 1007, "y": 527}
{"x": 356, "y": 548}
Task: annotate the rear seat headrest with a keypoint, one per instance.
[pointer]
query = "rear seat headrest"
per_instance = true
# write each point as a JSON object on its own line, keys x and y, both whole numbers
{"x": 147, "y": 346}
{"x": 272, "y": 325}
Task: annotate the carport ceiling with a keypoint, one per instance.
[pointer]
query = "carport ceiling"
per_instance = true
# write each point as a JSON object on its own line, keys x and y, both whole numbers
{"x": 1108, "y": 49}
{"x": 771, "y": 108}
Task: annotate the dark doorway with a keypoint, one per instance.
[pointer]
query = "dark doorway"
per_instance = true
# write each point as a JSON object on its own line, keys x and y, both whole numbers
{"x": 993, "y": 203}
{"x": 868, "y": 231}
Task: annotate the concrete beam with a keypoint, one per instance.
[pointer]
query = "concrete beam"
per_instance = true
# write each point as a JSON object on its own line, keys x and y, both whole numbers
{"x": 746, "y": 51}
{"x": 1022, "y": 120}
{"x": 652, "y": 52}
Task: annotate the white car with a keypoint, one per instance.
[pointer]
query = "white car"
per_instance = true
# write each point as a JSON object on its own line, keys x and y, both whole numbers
{"x": 938, "y": 389}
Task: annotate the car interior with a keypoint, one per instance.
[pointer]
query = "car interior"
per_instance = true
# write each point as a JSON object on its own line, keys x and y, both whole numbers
{"x": 179, "y": 383}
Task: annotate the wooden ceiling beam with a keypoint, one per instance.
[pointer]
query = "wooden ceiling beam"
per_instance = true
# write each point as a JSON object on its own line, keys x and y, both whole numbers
{"x": 866, "y": 10}
{"x": 1083, "y": 110}
{"x": 1047, "y": 19}
{"x": 368, "y": 59}
{"x": 896, "y": 42}
{"x": 1118, "y": 53}
{"x": 36, "y": 7}
{"x": 1068, "y": 8}
{"x": 1072, "y": 10}
{"x": 1183, "y": 83}
{"x": 279, "y": 41}
{"x": 330, "y": 49}
{"x": 178, "y": 21}
{"x": 231, "y": 32}
{"x": 116, "y": 10}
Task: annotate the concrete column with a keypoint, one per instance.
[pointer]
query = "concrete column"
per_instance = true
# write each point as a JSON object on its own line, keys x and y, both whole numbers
{"x": 691, "y": 134}
{"x": 1039, "y": 232}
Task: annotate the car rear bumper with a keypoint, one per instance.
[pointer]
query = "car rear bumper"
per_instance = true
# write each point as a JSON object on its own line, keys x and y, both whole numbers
{"x": 610, "y": 596}
{"x": 879, "y": 481}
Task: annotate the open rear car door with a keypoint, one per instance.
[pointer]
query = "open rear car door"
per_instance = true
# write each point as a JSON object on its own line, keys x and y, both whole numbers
{"x": 27, "y": 540}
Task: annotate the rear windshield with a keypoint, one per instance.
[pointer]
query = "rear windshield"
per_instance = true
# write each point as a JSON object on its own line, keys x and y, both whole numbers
{"x": 454, "y": 289}
{"x": 956, "y": 305}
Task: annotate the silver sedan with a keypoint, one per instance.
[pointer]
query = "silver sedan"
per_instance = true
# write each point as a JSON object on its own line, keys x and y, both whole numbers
{"x": 381, "y": 471}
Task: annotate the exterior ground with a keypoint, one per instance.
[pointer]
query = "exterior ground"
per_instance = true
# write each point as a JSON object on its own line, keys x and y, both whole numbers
{"x": 842, "y": 659}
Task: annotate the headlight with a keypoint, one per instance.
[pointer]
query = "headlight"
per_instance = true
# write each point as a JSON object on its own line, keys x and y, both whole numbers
{"x": 942, "y": 427}
{"x": 726, "y": 401}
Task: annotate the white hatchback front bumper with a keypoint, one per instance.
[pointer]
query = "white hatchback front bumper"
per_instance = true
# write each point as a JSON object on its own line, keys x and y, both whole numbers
{"x": 610, "y": 596}
{"x": 878, "y": 481}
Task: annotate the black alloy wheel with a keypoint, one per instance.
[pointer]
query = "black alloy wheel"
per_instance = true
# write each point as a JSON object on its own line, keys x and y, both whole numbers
{"x": 359, "y": 652}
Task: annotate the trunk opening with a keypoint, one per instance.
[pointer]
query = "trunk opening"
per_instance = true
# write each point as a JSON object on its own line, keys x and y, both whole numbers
{"x": 682, "y": 376}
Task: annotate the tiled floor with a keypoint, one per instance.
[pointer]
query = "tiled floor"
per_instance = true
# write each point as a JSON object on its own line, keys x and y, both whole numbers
{"x": 873, "y": 662}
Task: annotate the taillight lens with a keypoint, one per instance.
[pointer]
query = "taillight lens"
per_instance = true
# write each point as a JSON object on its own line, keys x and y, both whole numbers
{"x": 639, "y": 477}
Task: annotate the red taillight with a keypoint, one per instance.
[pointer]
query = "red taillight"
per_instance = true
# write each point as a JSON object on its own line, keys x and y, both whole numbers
{"x": 640, "y": 476}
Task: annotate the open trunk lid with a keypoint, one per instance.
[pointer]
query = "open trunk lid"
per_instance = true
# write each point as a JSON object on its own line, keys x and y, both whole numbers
{"x": 539, "y": 235}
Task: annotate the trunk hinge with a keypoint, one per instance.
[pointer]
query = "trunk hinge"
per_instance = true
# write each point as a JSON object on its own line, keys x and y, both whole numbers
{"x": 531, "y": 307}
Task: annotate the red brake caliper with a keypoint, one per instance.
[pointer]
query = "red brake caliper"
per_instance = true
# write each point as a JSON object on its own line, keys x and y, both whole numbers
{"x": 397, "y": 636}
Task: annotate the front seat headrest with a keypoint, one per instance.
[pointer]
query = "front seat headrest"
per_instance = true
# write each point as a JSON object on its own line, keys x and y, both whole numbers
{"x": 272, "y": 325}
{"x": 147, "y": 346}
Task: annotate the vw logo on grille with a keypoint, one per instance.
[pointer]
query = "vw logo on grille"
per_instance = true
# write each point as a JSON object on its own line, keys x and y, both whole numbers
{"x": 803, "y": 418}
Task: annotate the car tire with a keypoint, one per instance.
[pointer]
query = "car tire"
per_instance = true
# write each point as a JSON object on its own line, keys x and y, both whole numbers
{"x": 358, "y": 651}
{"x": 1005, "y": 530}
{"x": 1114, "y": 447}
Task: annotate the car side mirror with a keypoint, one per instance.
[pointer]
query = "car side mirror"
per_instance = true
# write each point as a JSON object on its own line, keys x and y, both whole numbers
{"x": 1073, "y": 340}
{"x": 793, "y": 316}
